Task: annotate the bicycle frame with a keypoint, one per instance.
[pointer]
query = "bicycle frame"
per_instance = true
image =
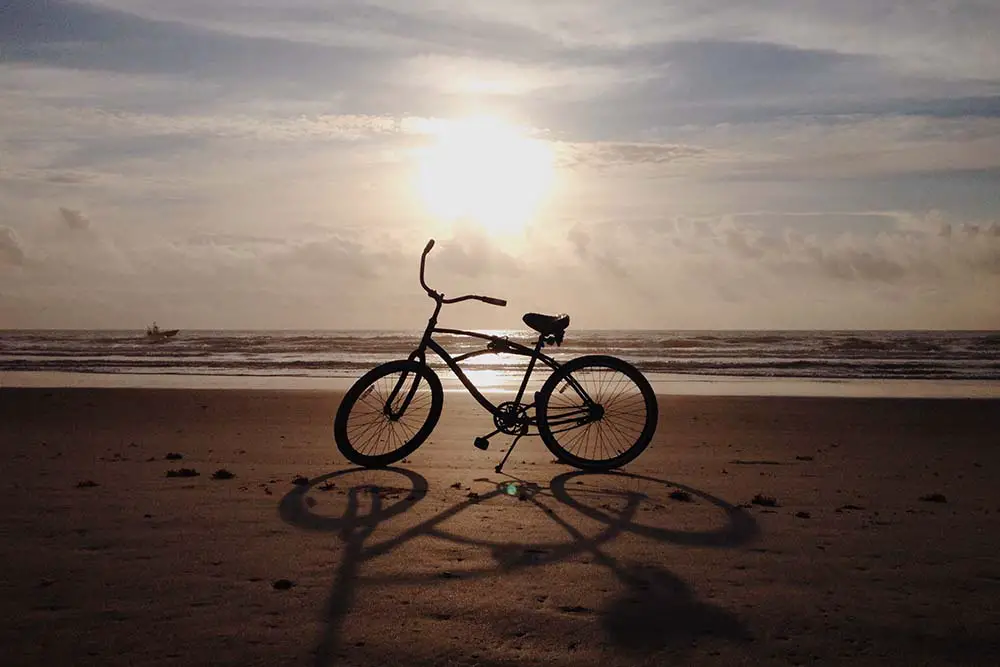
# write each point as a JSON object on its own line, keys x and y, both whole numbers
{"x": 495, "y": 345}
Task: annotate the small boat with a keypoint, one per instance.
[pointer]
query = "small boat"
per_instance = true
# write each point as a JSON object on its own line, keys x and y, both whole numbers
{"x": 155, "y": 334}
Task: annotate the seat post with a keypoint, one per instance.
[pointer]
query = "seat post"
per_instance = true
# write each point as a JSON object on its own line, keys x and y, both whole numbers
{"x": 531, "y": 367}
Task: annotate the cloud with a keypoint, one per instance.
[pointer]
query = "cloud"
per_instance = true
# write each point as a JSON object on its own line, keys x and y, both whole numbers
{"x": 370, "y": 57}
{"x": 11, "y": 250}
{"x": 746, "y": 271}
{"x": 920, "y": 34}
{"x": 821, "y": 223}
{"x": 66, "y": 248}
{"x": 494, "y": 77}
{"x": 387, "y": 27}
{"x": 855, "y": 146}
{"x": 85, "y": 123}
{"x": 88, "y": 37}
{"x": 470, "y": 258}
{"x": 219, "y": 239}
{"x": 333, "y": 256}
{"x": 608, "y": 154}
{"x": 904, "y": 254}
{"x": 73, "y": 219}
{"x": 598, "y": 254}
{"x": 751, "y": 270}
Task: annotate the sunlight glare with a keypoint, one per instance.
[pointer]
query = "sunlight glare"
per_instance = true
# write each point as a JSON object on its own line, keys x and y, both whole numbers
{"x": 485, "y": 170}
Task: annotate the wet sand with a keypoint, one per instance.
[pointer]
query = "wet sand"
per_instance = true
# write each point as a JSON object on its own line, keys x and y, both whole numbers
{"x": 873, "y": 538}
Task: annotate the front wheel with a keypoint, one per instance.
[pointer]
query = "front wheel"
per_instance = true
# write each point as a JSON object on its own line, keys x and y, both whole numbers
{"x": 388, "y": 413}
{"x": 596, "y": 412}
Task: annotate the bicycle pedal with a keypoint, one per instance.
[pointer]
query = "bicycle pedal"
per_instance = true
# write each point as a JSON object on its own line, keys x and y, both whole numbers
{"x": 481, "y": 443}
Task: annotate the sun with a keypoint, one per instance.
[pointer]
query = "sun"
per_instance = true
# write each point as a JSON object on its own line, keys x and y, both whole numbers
{"x": 484, "y": 170}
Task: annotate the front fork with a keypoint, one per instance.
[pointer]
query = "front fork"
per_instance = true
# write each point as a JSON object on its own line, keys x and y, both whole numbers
{"x": 416, "y": 356}
{"x": 387, "y": 409}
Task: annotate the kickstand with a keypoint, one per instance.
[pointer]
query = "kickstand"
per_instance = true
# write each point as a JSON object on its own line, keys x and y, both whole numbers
{"x": 510, "y": 449}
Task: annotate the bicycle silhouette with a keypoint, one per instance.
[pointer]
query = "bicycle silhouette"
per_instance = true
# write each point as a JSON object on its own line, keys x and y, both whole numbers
{"x": 594, "y": 412}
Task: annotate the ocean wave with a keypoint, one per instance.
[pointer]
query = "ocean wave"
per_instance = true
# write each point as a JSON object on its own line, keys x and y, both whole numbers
{"x": 822, "y": 354}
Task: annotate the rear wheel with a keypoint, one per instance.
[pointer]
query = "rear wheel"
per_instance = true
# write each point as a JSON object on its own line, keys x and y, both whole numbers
{"x": 596, "y": 412}
{"x": 388, "y": 413}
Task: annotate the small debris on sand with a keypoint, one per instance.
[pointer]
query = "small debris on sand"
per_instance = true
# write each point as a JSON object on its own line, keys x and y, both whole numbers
{"x": 183, "y": 472}
{"x": 849, "y": 507}
{"x": 764, "y": 501}
{"x": 574, "y": 609}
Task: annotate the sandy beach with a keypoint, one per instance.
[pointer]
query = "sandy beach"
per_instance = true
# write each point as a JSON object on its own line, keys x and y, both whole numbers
{"x": 754, "y": 531}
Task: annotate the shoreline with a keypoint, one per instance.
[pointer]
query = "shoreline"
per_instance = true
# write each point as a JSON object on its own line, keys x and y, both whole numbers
{"x": 663, "y": 384}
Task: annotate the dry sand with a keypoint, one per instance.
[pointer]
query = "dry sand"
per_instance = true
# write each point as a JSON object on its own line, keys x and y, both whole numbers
{"x": 108, "y": 561}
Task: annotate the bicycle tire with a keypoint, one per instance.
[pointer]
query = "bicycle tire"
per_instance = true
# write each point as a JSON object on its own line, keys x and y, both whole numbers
{"x": 612, "y": 429}
{"x": 361, "y": 422}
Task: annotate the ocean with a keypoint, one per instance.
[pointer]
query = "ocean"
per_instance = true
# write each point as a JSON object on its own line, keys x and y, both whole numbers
{"x": 966, "y": 358}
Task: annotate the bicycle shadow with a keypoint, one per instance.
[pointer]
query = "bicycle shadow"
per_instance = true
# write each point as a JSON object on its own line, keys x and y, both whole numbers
{"x": 654, "y": 608}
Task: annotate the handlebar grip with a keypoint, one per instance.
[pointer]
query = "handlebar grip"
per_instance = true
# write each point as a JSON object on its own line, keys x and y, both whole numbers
{"x": 427, "y": 248}
{"x": 494, "y": 301}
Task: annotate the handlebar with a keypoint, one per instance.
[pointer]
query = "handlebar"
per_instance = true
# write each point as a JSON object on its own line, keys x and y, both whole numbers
{"x": 423, "y": 260}
{"x": 493, "y": 301}
{"x": 437, "y": 296}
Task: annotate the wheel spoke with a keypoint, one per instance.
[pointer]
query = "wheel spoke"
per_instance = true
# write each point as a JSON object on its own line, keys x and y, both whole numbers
{"x": 388, "y": 414}
{"x": 624, "y": 420}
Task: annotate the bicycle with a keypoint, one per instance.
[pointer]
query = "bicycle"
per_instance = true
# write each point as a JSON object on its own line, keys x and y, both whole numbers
{"x": 594, "y": 412}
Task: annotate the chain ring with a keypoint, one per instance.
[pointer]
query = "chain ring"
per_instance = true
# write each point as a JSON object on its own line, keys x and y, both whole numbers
{"x": 511, "y": 417}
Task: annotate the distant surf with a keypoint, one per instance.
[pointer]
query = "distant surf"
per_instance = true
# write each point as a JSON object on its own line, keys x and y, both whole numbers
{"x": 819, "y": 355}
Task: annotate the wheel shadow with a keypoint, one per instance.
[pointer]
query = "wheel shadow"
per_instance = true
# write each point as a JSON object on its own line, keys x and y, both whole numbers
{"x": 654, "y": 608}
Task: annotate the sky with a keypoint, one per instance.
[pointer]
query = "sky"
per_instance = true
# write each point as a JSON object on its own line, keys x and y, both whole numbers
{"x": 643, "y": 164}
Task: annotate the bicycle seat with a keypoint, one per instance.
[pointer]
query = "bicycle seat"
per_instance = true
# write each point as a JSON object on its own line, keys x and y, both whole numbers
{"x": 547, "y": 325}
